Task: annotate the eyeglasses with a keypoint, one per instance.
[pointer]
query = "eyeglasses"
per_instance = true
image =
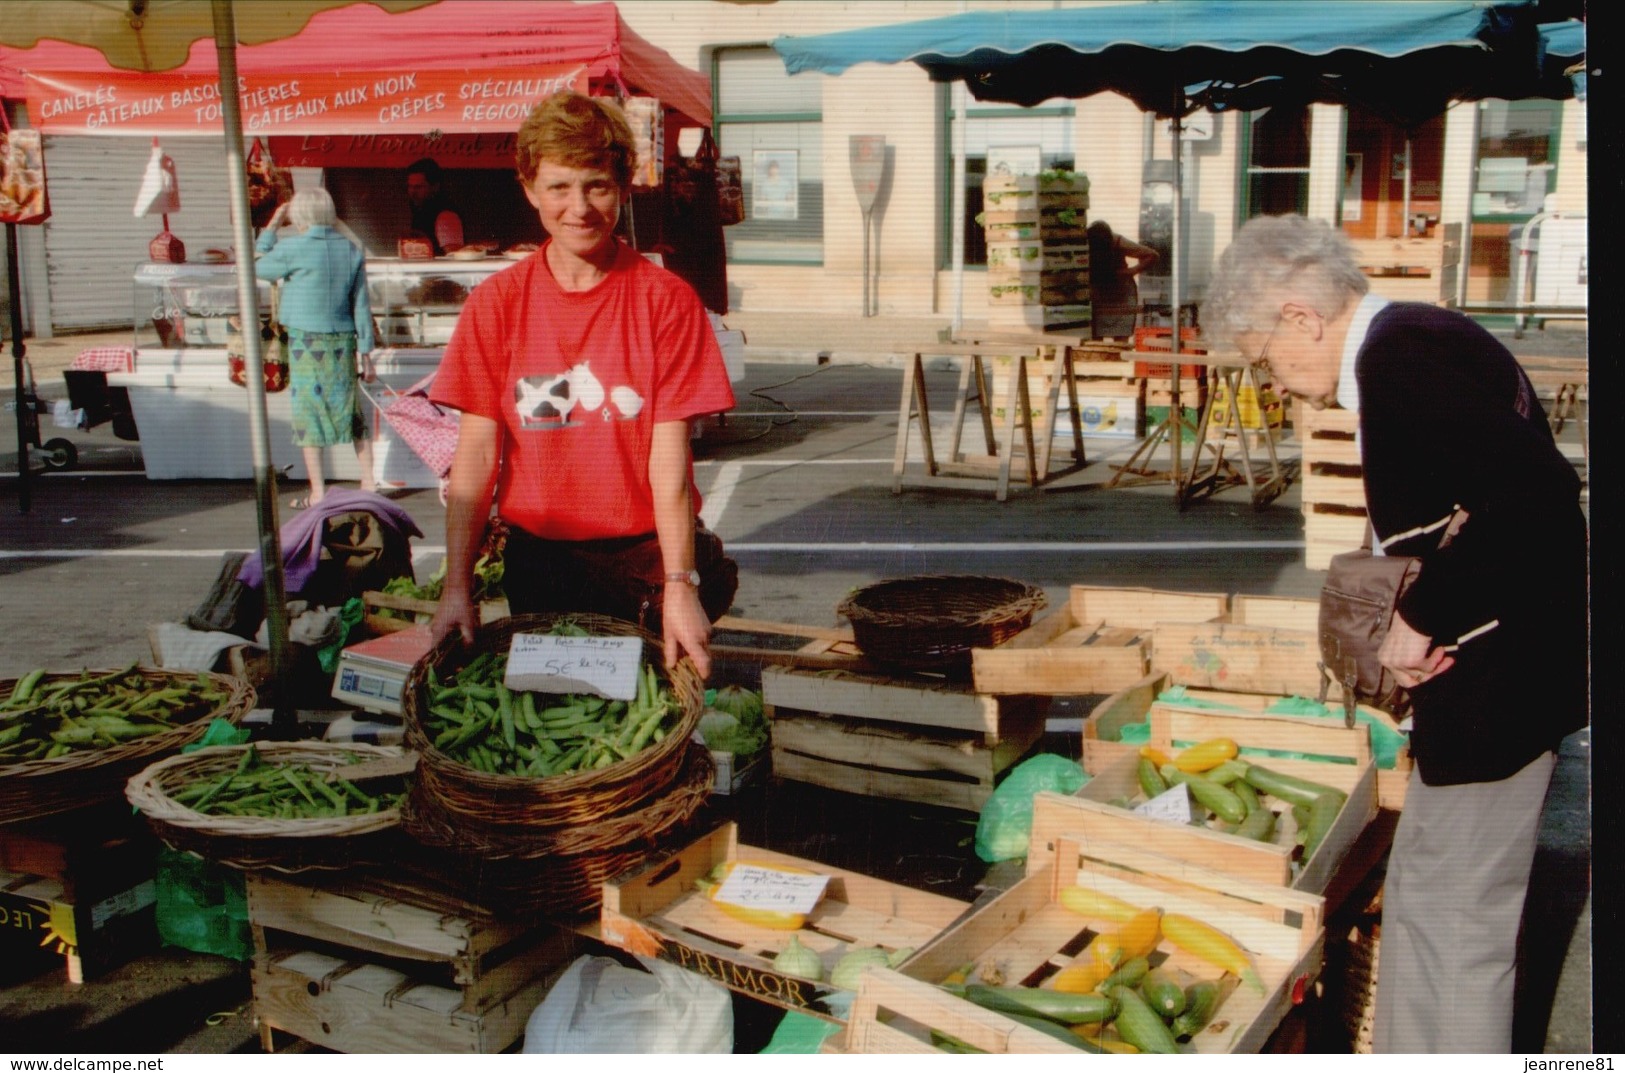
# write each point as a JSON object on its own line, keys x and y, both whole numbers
{"x": 1263, "y": 358}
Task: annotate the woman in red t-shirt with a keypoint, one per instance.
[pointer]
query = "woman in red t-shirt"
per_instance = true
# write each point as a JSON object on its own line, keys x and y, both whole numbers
{"x": 577, "y": 372}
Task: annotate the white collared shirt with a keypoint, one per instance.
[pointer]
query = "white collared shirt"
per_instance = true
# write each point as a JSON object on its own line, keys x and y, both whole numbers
{"x": 1348, "y": 388}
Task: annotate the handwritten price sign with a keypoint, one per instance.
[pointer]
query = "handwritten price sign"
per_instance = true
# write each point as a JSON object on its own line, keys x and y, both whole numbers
{"x": 755, "y": 887}
{"x": 545, "y": 663}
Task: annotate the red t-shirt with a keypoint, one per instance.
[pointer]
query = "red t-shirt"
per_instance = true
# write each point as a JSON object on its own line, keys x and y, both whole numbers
{"x": 577, "y": 380}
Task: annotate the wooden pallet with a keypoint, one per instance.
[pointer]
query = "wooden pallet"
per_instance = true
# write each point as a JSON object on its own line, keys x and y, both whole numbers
{"x": 359, "y": 966}
{"x": 922, "y": 740}
{"x": 1334, "y": 511}
{"x": 1027, "y": 936}
{"x": 656, "y": 911}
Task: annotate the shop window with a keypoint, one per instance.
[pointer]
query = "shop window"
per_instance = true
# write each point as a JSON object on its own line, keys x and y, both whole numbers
{"x": 1276, "y": 182}
{"x": 1044, "y": 131}
{"x": 773, "y": 123}
{"x": 1517, "y": 158}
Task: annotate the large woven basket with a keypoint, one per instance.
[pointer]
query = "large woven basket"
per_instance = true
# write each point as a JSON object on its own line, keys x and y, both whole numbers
{"x": 499, "y": 806}
{"x": 34, "y": 788}
{"x": 561, "y": 873}
{"x": 931, "y": 622}
{"x": 264, "y": 843}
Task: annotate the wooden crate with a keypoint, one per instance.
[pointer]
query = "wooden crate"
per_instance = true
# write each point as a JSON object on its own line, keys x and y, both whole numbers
{"x": 1264, "y": 862}
{"x": 1101, "y": 746}
{"x": 1029, "y": 936}
{"x": 363, "y": 964}
{"x": 923, "y": 740}
{"x": 1334, "y": 511}
{"x": 656, "y": 911}
{"x": 1099, "y": 641}
{"x": 373, "y": 602}
{"x": 1239, "y": 657}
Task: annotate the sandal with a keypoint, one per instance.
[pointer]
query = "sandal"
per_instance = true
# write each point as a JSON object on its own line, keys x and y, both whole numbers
{"x": 299, "y": 503}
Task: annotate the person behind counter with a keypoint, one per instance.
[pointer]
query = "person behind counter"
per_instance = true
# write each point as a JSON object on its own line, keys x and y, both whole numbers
{"x": 577, "y": 372}
{"x": 433, "y": 217}
{"x": 325, "y": 309}
{"x": 1114, "y": 295}
{"x": 1490, "y": 640}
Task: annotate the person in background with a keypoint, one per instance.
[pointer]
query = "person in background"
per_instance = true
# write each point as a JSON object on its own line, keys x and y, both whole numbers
{"x": 577, "y": 372}
{"x": 328, "y": 317}
{"x": 433, "y": 217}
{"x": 1114, "y": 296}
{"x": 1490, "y": 640}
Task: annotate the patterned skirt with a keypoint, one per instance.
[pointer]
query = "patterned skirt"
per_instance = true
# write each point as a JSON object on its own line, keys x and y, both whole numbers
{"x": 321, "y": 385}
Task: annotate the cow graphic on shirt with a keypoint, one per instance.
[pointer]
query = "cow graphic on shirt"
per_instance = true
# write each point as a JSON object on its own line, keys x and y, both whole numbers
{"x": 571, "y": 398}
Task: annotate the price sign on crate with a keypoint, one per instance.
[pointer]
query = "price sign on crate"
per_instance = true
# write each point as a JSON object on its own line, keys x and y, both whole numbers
{"x": 547, "y": 663}
{"x": 755, "y": 887}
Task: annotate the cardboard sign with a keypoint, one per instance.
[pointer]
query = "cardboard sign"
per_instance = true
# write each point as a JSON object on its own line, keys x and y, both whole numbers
{"x": 1171, "y": 806}
{"x": 545, "y": 663}
{"x": 755, "y": 887}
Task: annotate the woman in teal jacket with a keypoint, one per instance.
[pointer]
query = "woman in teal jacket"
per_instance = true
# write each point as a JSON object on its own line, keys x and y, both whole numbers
{"x": 328, "y": 317}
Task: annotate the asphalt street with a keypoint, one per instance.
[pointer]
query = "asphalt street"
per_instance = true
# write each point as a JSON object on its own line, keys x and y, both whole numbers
{"x": 798, "y": 483}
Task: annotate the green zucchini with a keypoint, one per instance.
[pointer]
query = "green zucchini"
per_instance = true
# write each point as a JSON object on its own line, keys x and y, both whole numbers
{"x": 1227, "y": 772}
{"x": 1050, "y": 1028}
{"x": 1163, "y": 993}
{"x": 1249, "y": 796}
{"x": 1258, "y": 826}
{"x": 1201, "y": 1000}
{"x": 1054, "y": 1006}
{"x": 1129, "y": 973}
{"x": 1288, "y": 788}
{"x": 1151, "y": 780}
{"x": 1322, "y": 815}
{"x": 1140, "y": 1025}
{"x": 1208, "y": 793}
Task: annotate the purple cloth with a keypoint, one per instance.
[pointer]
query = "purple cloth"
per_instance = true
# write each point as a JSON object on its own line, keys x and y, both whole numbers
{"x": 302, "y": 536}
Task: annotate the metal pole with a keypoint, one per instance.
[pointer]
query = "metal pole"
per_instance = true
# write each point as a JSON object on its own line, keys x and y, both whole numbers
{"x": 23, "y": 396}
{"x": 1175, "y": 294}
{"x": 1406, "y": 222}
{"x": 957, "y": 199}
{"x": 284, "y": 719}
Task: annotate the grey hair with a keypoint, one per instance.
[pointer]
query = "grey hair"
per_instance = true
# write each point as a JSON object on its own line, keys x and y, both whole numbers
{"x": 1274, "y": 259}
{"x": 312, "y": 207}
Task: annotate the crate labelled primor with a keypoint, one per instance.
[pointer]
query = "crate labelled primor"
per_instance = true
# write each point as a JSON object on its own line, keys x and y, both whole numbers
{"x": 1038, "y": 256}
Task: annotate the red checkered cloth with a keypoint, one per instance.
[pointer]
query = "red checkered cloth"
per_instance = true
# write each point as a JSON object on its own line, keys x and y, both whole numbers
{"x": 106, "y": 359}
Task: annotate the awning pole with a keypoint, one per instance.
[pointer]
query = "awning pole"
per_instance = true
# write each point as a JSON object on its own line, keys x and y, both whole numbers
{"x": 957, "y": 198}
{"x": 284, "y": 720}
{"x": 1175, "y": 293}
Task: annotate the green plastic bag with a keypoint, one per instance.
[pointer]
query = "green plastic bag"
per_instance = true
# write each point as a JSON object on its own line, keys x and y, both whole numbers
{"x": 202, "y": 906}
{"x": 220, "y": 732}
{"x": 350, "y": 616}
{"x": 1006, "y": 823}
{"x": 800, "y": 1033}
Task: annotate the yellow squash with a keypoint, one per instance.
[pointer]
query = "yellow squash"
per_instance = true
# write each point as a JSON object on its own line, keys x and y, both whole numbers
{"x": 1211, "y": 945}
{"x": 1205, "y": 755}
{"x": 1097, "y": 905}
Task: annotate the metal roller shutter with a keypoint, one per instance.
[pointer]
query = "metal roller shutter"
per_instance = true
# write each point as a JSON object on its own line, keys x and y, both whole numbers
{"x": 93, "y": 241}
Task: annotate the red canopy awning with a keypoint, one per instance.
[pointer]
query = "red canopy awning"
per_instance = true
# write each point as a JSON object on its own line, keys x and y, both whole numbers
{"x": 509, "y": 48}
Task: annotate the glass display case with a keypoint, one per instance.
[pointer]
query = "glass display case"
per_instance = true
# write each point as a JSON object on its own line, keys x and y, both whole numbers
{"x": 414, "y": 303}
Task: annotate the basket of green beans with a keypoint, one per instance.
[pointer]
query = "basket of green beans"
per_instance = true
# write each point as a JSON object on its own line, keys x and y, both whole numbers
{"x": 516, "y": 763}
{"x": 286, "y": 806}
{"x": 72, "y": 739}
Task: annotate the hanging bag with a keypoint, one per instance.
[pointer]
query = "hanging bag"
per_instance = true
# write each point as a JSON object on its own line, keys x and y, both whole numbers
{"x": 23, "y": 197}
{"x": 273, "y": 351}
{"x": 1357, "y": 606}
{"x": 428, "y": 429}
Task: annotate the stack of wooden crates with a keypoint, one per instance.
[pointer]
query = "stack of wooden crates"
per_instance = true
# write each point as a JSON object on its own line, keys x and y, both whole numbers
{"x": 1334, "y": 510}
{"x": 1037, "y": 250}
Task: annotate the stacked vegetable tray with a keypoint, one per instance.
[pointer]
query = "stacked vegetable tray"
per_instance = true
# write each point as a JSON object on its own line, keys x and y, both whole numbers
{"x": 1102, "y": 947}
{"x": 71, "y": 740}
{"x": 543, "y": 796}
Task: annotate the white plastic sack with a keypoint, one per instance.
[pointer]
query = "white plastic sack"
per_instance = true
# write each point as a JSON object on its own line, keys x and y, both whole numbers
{"x": 160, "y": 192}
{"x": 600, "y": 1006}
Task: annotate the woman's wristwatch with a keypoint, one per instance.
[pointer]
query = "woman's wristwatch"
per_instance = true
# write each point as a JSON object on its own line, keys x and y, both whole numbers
{"x": 683, "y": 577}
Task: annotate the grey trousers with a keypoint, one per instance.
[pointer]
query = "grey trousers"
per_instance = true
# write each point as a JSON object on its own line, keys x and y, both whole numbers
{"x": 1451, "y": 904}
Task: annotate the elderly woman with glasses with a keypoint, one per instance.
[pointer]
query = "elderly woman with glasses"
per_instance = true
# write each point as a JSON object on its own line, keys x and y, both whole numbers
{"x": 1491, "y": 639}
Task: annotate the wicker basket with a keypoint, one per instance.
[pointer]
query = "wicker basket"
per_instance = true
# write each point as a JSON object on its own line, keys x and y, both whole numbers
{"x": 508, "y": 806}
{"x": 34, "y": 788}
{"x": 931, "y": 622}
{"x": 252, "y": 842}
{"x": 561, "y": 873}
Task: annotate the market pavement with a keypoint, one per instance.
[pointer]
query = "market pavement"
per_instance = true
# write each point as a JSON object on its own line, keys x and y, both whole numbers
{"x": 798, "y": 483}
